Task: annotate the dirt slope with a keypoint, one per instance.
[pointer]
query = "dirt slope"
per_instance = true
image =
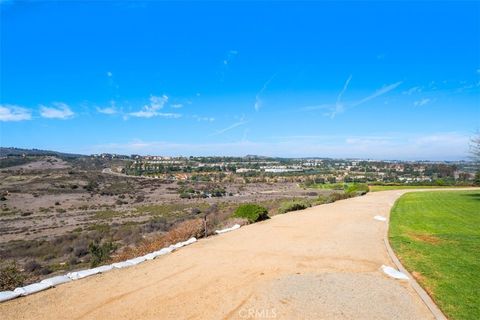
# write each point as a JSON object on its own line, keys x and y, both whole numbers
{"x": 319, "y": 263}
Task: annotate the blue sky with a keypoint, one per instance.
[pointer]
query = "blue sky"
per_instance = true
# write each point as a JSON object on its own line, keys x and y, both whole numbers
{"x": 382, "y": 80}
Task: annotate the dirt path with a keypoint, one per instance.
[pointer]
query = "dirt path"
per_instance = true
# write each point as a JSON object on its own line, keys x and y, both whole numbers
{"x": 319, "y": 263}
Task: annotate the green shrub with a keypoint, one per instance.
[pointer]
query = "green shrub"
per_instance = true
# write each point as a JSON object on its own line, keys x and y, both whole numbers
{"x": 251, "y": 212}
{"x": 293, "y": 205}
{"x": 358, "y": 188}
{"x": 100, "y": 252}
{"x": 11, "y": 277}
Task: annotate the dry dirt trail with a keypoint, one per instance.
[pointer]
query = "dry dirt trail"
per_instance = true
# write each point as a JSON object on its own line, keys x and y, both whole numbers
{"x": 319, "y": 263}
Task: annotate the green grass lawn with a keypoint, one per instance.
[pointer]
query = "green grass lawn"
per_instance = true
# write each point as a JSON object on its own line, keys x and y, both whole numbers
{"x": 436, "y": 235}
{"x": 385, "y": 188}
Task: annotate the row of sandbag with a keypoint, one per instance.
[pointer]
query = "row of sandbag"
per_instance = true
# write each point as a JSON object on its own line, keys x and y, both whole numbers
{"x": 234, "y": 227}
{"x": 54, "y": 281}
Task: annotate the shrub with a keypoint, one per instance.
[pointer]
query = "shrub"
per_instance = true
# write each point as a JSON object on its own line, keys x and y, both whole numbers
{"x": 80, "y": 248}
{"x": 293, "y": 205}
{"x": 251, "y": 212}
{"x": 11, "y": 277}
{"x": 357, "y": 188}
{"x": 32, "y": 266}
{"x": 100, "y": 252}
{"x": 181, "y": 232}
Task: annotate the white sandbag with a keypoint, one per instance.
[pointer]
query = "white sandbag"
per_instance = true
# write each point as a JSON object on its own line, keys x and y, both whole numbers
{"x": 32, "y": 288}
{"x": 121, "y": 265}
{"x": 227, "y": 229}
{"x": 178, "y": 245}
{"x": 80, "y": 274}
{"x": 54, "y": 281}
{"x": 8, "y": 295}
{"x": 136, "y": 261}
{"x": 380, "y": 218}
{"x": 394, "y": 273}
{"x": 88, "y": 272}
{"x": 103, "y": 269}
{"x": 151, "y": 256}
{"x": 190, "y": 241}
{"x": 162, "y": 251}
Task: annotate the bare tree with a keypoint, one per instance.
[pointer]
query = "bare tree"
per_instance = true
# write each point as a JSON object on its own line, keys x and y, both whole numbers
{"x": 475, "y": 148}
{"x": 475, "y": 156}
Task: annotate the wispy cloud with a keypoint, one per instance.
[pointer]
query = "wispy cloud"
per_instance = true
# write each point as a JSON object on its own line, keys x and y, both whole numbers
{"x": 258, "y": 101}
{"x": 177, "y": 106}
{"x": 421, "y": 102}
{"x": 59, "y": 110}
{"x": 230, "y": 56}
{"x": 109, "y": 74}
{"x": 378, "y": 93}
{"x": 14, "y": 113}
{"x": 412, "y": 90}
{"x": 232, "y": 126}
{"x": 152, "y": 109}
{"x": 200, "y": 118}
{"x": 226, "y": 62}
{"x": 340, "y": 106}
{"x": 108, "y": 110}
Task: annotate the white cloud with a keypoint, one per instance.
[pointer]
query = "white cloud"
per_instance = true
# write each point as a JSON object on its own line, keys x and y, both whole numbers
{"x": 107, "y": 110}
{"x": 232, "y": 126}
{"x": 230, "y": 56}
{"x": 177, "y": 106}
{"x": 378, "y": 93}
{"x": 412, "y": 90}
{"x": 421, "y": 102}
{"x": 58, "y": 111}
{"x": 340, "y": 106}
{"x": 14, "y": 113}
{"x": 258, "y": 101}
{"x": 199, "y": 118}
{"x": 109, "y": 74}
{"x": 152, "y": 109}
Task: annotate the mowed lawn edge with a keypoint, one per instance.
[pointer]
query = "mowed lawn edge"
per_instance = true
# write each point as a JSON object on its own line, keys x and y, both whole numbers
{"x": 436, "y": 236}
{"x": 377, "y": 188}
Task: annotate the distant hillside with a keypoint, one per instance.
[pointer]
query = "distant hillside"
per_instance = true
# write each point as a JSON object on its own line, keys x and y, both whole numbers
{"x": 35, "y": 152}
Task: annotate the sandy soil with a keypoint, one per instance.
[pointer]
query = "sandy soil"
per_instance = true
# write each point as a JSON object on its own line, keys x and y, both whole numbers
{"x": 319, "y": 263}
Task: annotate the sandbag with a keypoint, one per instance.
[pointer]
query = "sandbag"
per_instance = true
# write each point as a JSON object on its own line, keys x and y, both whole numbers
{"x": 8, "y": 295}
{"x": 32, "y": 288}
{"x": 190, "y": 241}
{"x": 163, "y": 251}
{"x": 103, "y": 269}
{"x": 394, "y": 273}
{"x": 121, "y": 265}
{"x": 136, "y": 261}
{"x": 227, "y": 229}
{"x": 151, "y": 256}
{"x": 88, "y": 272}
{"x": 178, "y": 245}
{"x": 54, "y": 281}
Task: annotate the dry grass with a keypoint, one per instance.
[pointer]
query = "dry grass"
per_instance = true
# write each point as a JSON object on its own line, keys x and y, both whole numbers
{"x": 428, "y": 238}
{"x": 181, "y": 232}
